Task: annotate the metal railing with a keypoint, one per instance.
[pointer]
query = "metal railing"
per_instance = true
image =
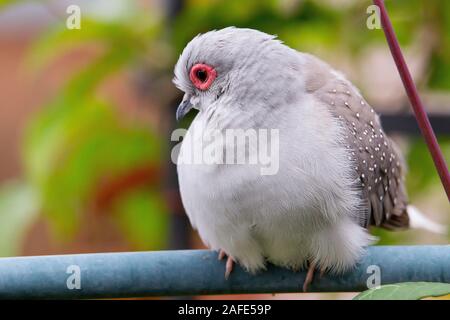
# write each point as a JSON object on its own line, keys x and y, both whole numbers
{"x": 198, "y": 272}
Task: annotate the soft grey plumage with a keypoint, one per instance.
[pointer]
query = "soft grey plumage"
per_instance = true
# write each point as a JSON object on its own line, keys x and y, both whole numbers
{"x": 377, "y": 162}
{"x": 338, "y": 171}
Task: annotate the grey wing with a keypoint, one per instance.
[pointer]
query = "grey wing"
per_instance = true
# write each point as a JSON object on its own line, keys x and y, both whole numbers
{"x": 378, "y": 165}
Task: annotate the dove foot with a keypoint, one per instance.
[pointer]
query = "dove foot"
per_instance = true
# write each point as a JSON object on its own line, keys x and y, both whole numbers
{"x": 309, "y": 276}
{"x": 228, "y": 265}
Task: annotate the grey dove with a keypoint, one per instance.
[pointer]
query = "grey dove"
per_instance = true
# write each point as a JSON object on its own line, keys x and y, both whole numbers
{"x": 338, "y": 172}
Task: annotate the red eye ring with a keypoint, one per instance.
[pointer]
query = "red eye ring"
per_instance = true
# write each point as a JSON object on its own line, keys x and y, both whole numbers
{"x": 202, "y": 76}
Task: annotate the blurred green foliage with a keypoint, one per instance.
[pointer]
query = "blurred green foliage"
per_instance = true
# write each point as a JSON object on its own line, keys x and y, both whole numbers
{"x": 79, "y": 138}
{"x": 315, "y": 25}
{"x": 421, "y": 167}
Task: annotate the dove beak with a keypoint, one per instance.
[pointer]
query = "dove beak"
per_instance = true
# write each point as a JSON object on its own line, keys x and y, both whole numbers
{"x": 184, "y": 107}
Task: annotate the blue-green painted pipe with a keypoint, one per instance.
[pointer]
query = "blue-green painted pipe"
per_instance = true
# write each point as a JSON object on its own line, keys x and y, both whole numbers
{"x": 169, "y": 273}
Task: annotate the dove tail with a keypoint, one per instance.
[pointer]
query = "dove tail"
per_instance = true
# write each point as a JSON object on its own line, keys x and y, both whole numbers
{"x": 417, "y": 220}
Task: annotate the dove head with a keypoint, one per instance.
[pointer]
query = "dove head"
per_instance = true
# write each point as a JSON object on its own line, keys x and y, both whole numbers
{"x": 231, "y": 67}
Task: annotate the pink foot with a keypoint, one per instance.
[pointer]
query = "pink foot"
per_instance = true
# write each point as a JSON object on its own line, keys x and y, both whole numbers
{"x": 228, "y": 265}
{"x": 309, "y": 276}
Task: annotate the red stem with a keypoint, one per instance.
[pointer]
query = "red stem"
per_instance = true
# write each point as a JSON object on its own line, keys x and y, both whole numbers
{"x": 414, "y": 98}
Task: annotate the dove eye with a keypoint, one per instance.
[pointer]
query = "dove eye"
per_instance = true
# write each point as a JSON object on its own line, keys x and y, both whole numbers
{"x": 202, "y": 76}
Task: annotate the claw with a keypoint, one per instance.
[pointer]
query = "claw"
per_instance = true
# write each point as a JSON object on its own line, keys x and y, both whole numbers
{"x": 229, "y": 267}
{"x": 229, "y": 263}
{"x": 309, "y": 276}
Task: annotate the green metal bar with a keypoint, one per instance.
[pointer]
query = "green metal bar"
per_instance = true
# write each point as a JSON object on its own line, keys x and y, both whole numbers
{"x": 196, "y": 272}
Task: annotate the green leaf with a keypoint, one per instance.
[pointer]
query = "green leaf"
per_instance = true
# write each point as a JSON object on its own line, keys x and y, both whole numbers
{"x": 69, "y": 149}
{"x": 19, "y": 206}
{"x": 405, "y": 291}
{"x": 47, "y": 131}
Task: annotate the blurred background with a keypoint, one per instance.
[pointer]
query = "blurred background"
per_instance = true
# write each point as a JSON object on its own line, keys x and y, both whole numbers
{"x": 86, "y": 114}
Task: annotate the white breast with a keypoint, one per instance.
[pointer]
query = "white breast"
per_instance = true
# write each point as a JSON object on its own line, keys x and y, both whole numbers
{"x": 278, "y": 217}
